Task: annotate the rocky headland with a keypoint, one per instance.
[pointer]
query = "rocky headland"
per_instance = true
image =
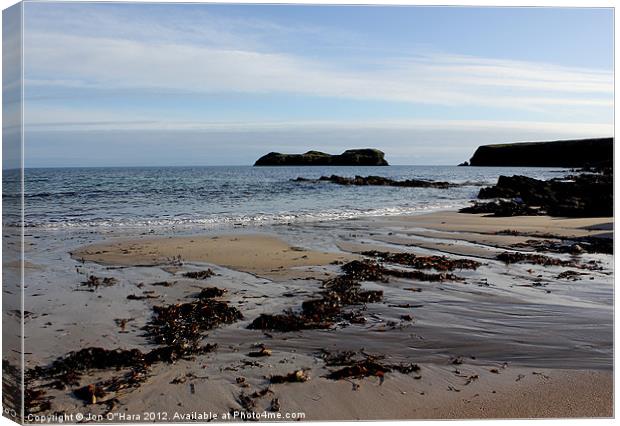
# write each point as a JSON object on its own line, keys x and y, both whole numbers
{"x": 565, "y": 153}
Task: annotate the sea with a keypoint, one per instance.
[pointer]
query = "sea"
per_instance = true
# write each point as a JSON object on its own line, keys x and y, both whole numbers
{"x": 139, "y": 197}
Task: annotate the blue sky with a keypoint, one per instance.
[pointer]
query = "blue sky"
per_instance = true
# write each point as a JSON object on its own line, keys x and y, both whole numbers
{"x": 180, "y": 84}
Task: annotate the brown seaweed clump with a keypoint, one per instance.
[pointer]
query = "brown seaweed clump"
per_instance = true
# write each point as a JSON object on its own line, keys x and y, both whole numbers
{"x": 344, "y": 290}
{"x": 536, "y": 259}
{"x": 178, "y": 327}
{"x": 370, "y": 270}
{"x": 439, "y": 263}
{"x": 211, "y": 292}
{"x": 67, "y": 371}
{"x": 199, "y": 275}
{"x": 324, "y": 311}
{"x": 573, "y": 246}
{"x": 570, "y": 275}
{"x": 96, "y": 282}
{"x": 356, "y": 367}
{"x": 183, "y": 323}
{"x": 539, "y": 259}
{"x": 287, "y": 321}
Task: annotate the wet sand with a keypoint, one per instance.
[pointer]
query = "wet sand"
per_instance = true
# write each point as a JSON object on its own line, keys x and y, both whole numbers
{"x": 538, "y": 346}
{"x": 262, "y": 255}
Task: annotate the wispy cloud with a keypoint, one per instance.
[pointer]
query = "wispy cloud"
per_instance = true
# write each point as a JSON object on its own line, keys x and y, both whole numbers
{"x": 79, "y": 61}
{"x": 205, "y": 52}
{"x": 41, "y": 120}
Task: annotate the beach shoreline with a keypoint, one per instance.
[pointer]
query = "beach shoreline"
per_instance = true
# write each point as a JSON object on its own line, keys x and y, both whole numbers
{"x": 454, "y": 331}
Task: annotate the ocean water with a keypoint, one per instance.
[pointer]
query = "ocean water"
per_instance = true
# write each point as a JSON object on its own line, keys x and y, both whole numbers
{"x": 212, "y": 195}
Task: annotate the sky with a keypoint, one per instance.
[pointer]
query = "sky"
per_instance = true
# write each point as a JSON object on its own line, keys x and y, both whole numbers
{"x": 196, "y": 84}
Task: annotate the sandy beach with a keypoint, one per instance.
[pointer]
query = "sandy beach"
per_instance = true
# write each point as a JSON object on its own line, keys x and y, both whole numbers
{"x": 498, "y": 341}
{"x": 307, "y": 212}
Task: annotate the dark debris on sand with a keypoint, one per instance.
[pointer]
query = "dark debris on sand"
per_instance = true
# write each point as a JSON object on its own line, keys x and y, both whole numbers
{"x": 324, "y": 311}
{"x": 179, "y": 328}
{"x": 364, "y": 365}
{"x": 570, "y": 275}
{"x": 211, "y": 292}
{"x": 142, "y": 297}
{"x": 184, "y": 322}
{"x": 570, "y": 245}
{"x": 298, "y": 376}
{"x": 248, "y": 401}
{"x": 96, "y": 282}
{"x": 439, "y": 263}
{"x": 370, "y": 270}
{"x": 287, "y": 321}
{"x": 163, "y": 284}
{"x": 539, "y": 259}
{"x": 199, "y": 275}
{"x": 345, "y": 290}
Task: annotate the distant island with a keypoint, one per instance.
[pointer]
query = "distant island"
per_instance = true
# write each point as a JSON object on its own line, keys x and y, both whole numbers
{"x": 351, "y": 157}
{"x": 564, "y": 153}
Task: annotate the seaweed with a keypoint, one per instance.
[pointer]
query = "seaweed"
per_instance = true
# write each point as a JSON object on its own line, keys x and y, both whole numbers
{"x": 439, "y": 263}
{"x": 97, "y": 282}
{"x": 345, "y": 289}
{"x": 263, "y": 351}
{"x": 211, "y": 292}
{"x": 359, "y": 370}
{"x": 539, "y": 259}
{"x": 356, "y": 368}
{"x": 369, "y": 270}
{"x": 569, "y": 275}
{"x": 178, "y": 327}
{"x": 77, "y": 362}
{"x": 288, "y": 321}
{"x": 298, "y": 376}
{"x": 143, "y": 297}
{"x": 573, "y": 246}
{"x": 183, "y": 323}
{"x": 199, "y": 275}
{"x": 90, "y": 393}
{"x": 364, "y": 270}
{"x": 163, "y": 284}
{"x": 423, "y": 276}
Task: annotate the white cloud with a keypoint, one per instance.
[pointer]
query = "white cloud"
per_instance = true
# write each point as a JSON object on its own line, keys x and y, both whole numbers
{"x": 63, "y": 60}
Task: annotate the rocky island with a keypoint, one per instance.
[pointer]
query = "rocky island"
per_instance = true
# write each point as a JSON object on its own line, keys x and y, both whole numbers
{"x": 565, "y": 153}
{"x": 351, "y": 157}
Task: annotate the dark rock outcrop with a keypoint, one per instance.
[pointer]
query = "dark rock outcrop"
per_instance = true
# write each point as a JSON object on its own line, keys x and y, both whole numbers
{"x": 585, "y": 195}
{"x": 566, "y": 153}
{"x": 351, "y": 157}
{"x": 379, "y": 181}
